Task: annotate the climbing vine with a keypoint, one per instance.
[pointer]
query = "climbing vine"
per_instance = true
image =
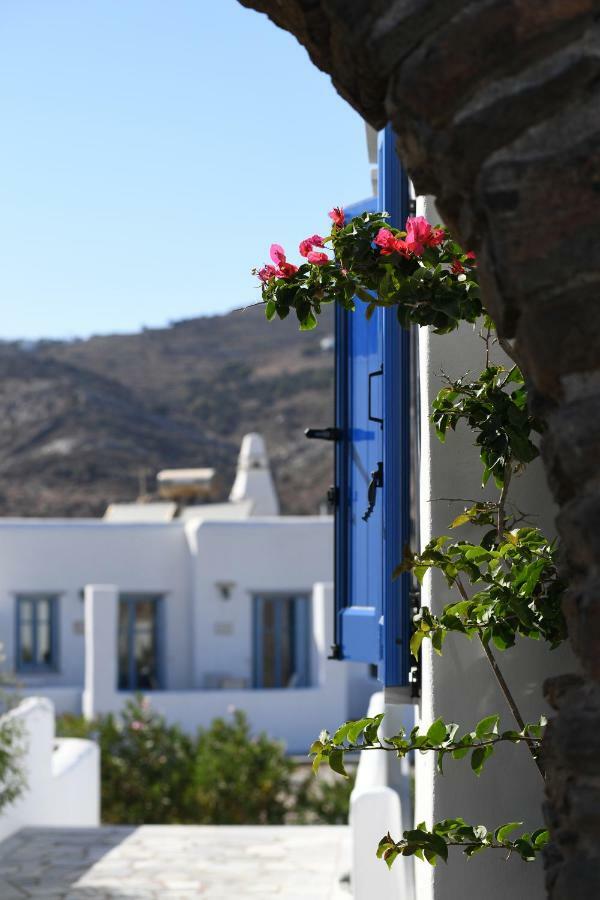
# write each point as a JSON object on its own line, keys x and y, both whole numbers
{"x": 506, "y": 586}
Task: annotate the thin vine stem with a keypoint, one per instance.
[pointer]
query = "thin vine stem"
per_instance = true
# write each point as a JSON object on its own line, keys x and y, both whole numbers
{"x": 512, "y": 703}
{"x": 389, "y": 748}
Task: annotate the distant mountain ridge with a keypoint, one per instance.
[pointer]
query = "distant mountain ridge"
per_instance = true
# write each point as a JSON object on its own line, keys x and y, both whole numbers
{"x": 87, "y": 422}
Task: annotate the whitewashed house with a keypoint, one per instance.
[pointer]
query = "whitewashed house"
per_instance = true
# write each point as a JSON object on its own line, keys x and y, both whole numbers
{"x": 204, "y": 607}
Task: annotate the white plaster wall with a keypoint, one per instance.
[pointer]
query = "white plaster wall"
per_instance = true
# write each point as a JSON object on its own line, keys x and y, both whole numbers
{"x": 63, "y": 777}
{"x": 62, "y": 556}
{"x": 287, "y": 554}
{"x": 380, "y": 802}
{"x": 459, "y": 685}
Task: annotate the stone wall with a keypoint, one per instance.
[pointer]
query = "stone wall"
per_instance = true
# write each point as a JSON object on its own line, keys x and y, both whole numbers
{"x": 496, "y": 104}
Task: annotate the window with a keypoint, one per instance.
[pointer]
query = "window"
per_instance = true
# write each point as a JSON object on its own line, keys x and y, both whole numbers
{"x": 281, "y": 632}
{"x": 37, "y": 632}
{"x": 138, "y": 642}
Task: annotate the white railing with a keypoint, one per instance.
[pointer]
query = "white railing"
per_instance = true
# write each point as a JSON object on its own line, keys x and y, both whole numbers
{"x": 63, "y": 776}
{"x": 380, "y": 802}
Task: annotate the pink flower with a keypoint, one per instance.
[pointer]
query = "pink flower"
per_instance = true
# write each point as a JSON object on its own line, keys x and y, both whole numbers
{"x": 277, "y": 254}
{"x": 338, "y": 217}
{"x": 308, "y": 243}
{"x": 420, "y": 234}
{"x": 418, "y": 230}
{"x": 390, "y": 244}
{"x": 266, "y": 272}
{"x": 286, "y": 270}
{"x": 136, "y": 725}
{"x": 457, "y": 267}
{"x": 318, "y": 259}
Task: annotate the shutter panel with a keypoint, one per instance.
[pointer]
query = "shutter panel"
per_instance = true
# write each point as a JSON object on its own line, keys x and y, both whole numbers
{"x": 372, "y": 415}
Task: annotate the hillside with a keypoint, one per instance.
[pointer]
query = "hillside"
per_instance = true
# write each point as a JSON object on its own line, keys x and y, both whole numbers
{"x": 86, "y": 422}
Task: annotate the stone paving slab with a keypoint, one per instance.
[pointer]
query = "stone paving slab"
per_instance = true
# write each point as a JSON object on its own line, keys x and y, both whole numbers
{"x": 176, "y": 862}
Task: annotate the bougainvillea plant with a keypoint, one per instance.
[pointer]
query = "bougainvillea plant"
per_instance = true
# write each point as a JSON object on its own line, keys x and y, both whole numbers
{"x": 420, "y": 270}
{"x": 507, "y": 583}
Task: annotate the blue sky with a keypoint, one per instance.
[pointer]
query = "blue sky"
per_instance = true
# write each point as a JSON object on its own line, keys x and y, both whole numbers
{"x": 151, "y": 152}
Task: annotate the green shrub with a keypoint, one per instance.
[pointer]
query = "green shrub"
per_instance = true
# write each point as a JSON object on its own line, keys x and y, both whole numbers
{"x": 321, "y": 801}
{"x": 155, "y": 774}
{"x": 146, "y": 765}
{"x": 12, "y": 777}
{"x": 240, "y": 779}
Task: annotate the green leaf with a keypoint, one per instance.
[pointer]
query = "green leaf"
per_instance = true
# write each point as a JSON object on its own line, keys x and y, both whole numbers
{"x": 308, "y": 322}
{"x": 416, "y": 641}
{"x": 489, "y": 725}
{"x": 436, "y": 733}
{"x": 502, "y": 833}
{"x": 479, "y": 756}
{"x": 336, "y": 762}
{"x": 356, "y": 728}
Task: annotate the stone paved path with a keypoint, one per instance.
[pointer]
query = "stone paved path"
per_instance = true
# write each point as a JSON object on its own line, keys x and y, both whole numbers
{"x": 176, "y": 862}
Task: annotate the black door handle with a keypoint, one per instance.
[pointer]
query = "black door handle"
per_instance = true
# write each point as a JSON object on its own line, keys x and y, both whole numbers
{"x": 376, "y": 482}
{"x": 377, "y": 374}
{"x": 323, "y": 434}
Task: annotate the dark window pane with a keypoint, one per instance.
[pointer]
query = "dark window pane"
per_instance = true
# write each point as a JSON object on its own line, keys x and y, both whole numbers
{"x": 138, "y": 652}
{"x": 44, "y": 649}
{"x": 269, "y": 662}
{"x": 123, "y": 650}
{"x": 26, "y": 640}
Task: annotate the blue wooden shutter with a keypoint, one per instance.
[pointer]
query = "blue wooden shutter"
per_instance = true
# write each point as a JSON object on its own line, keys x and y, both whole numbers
{"x": 372, "y": 418}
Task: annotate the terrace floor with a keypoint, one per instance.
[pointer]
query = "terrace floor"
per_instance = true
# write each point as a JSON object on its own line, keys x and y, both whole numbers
{"x": 176, "y": 862}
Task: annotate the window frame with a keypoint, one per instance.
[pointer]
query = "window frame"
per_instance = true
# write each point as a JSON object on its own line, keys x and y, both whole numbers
{"x": 131, "y": 599}
{"x": 301, "y": 639}
{"x": 35, "y": 598}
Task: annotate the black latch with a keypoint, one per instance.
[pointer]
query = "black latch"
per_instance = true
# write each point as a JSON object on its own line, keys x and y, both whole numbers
{"x": 332, "y": 497}
{"x": 376, "y": 482}
{"x": 322, "y": 434}
{"x": 336, "y": 652}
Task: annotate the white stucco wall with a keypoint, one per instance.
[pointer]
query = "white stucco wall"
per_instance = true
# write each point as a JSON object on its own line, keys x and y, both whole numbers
{"x": 63, "y": 776}
{"x": 459, "y": 685}
{"x": 63, "y": 556}
{"x": 275, "y": 554}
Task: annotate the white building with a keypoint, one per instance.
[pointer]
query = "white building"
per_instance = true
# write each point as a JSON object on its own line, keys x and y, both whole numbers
{"x": 220, "y": 605}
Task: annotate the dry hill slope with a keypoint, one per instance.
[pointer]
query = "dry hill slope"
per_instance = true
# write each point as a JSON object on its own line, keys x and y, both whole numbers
{"x": 80, "y": 420}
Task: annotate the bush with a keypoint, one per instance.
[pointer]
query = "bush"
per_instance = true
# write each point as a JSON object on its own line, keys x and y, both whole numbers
{"x": 146, "y": 765}
{"x": 321, "y": 801}
{"x": 153, "y": 773}
{"x": 12, "y": 778}
{"x": 240, "y": 779}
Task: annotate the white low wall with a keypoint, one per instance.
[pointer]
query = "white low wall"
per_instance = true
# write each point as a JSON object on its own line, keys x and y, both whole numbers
{"x": 63, "y": 699}
{"x": 376, "y": 808}
{"x": 63, "y": 776}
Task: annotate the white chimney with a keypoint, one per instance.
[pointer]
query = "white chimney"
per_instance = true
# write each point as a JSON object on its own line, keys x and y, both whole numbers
{"x": 253, "y": 480}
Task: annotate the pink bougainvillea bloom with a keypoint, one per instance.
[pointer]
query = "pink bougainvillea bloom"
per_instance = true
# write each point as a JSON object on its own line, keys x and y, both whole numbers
{"x": 267, "y": 272}
{"x": 390, "y": 244}
{"x": 457, "y": 267}
{"x": 305, "y": 247}
{"x": 318, "y": 259}
{"x": 337, "y": 215}
{"x": 286, "y": 270}
{"x": 420, "y": 234}
{"x": 277, "y": 254}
